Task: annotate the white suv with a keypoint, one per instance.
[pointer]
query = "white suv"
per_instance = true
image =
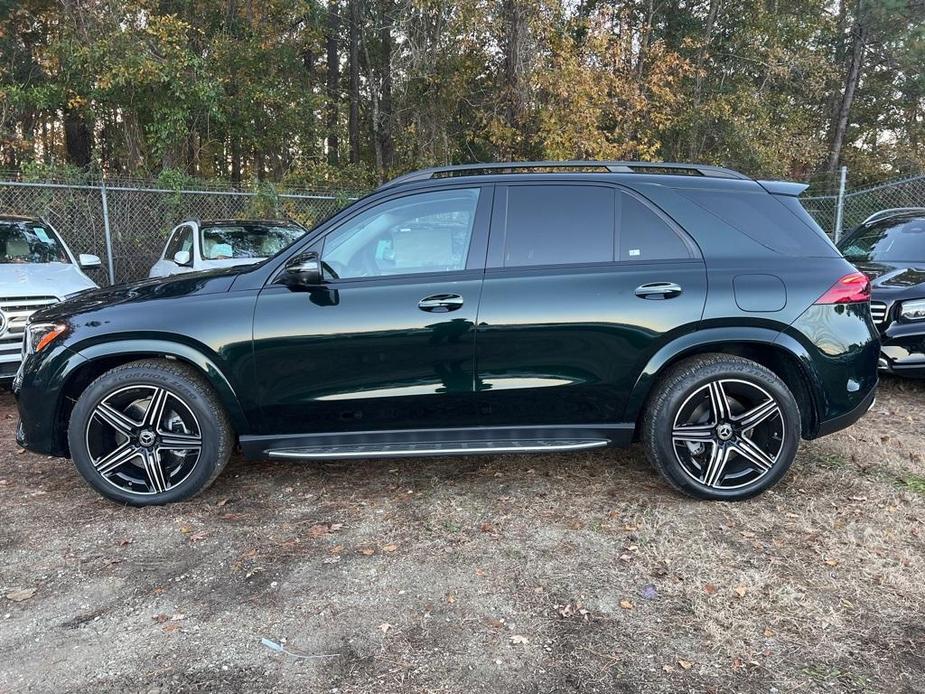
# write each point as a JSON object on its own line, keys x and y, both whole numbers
{"x": 210, "y": 245}
{"x": 36, "y": 269}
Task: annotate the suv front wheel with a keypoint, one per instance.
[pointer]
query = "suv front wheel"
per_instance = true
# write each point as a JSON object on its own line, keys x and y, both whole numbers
{"x": 721, "y": 427}
{"x": 149, "y": 432}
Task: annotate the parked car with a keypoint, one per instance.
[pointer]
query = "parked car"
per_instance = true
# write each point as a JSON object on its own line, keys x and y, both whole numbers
{"x": 889, "y": 247}
{"x": 36, "y": 269}
{"x": 215, "y": 244}
{"x": 477, "y": 309}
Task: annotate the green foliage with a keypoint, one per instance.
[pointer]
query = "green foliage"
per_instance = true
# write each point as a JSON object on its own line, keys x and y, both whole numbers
{"x": 240, "y": 90}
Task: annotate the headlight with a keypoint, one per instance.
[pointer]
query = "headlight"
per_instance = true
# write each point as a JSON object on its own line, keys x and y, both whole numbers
{"x": 39, "y": 335}
{"x": 912, "y": 310}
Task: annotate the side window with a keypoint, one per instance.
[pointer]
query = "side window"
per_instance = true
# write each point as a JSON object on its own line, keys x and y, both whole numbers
{"x": 182, "y": 240}
{"x": 425, "y": 232}
{"x": 558, "y": 225}
{"x": 643, "y": 235}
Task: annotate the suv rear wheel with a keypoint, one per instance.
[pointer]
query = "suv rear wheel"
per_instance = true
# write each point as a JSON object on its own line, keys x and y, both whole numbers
{"x": 721, "y": 427}
{"x": 149, "y": 432}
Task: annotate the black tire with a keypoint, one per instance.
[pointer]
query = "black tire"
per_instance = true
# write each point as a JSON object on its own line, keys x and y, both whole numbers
{"x": 188, "y": 404}
{"x": 720, "y": 468}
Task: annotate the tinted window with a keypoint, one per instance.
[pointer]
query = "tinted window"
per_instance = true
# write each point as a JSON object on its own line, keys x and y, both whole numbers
{"x": 765, "y": 219}
{"x": 182, "y": 240}
{"x": 559, "y": 225}
{"x": 643, "y": 235}
{"x": 26, "y": 242}
{"x": 220, "y": 242}
{"x": 888, "y": 240}
{"x": 427, "y": 232}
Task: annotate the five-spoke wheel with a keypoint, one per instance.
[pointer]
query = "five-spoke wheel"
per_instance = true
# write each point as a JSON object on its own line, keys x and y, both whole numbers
{"x": 721, "y": 427}
{"x": 149, "y": 432}
{"x": 144, "y": 439}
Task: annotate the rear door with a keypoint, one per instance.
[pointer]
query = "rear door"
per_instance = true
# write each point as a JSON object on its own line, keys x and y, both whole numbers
{"x": 584, "y": 283}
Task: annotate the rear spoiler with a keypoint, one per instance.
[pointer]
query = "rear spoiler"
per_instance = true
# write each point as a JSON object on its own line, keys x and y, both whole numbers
{"x": 783, "y": 187}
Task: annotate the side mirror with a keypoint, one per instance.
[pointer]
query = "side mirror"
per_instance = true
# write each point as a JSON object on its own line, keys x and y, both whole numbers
{"x": 182, "y": 258}
{"x": 87, "y": 261}
{"x": 304, "y": 270}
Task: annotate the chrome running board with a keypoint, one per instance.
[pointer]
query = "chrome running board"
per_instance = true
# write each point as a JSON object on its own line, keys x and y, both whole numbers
{"x": 424, "y": 448}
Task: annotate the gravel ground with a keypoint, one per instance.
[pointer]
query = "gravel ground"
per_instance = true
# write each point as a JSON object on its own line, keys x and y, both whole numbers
{"x": 558, "y": 573}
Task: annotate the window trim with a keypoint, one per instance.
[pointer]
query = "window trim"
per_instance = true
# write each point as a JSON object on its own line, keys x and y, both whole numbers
{"x": 475, "y": 258}
{"x": 494, "y": 263}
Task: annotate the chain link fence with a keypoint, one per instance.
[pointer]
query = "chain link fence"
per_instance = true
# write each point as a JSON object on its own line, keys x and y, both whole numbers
{"x": 859, "y": 204}
{"x": 126, "y": 223}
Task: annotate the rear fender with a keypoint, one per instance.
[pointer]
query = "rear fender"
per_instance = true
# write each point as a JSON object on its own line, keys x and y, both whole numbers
{"x": 717, "y": 340}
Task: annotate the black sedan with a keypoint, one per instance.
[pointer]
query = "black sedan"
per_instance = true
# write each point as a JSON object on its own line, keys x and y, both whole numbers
{"x": 889, "y": 247}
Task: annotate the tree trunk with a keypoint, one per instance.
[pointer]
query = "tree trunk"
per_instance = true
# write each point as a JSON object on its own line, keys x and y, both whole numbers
{"x": 852, "y": 78}
{"x": 353, "y": 126}
{"x": 513, "y": 69}
{"x": 385, "y": 103}
{"x": 333, "y": 80}
{"x": 78, "y": 140}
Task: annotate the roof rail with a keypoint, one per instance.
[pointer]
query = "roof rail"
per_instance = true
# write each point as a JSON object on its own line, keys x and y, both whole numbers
{"x": 609, "y": 166}
{"x": 892, "y": 212}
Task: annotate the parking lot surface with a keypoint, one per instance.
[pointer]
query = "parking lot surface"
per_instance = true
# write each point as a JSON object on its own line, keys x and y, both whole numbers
{"x": 558, "y": 573}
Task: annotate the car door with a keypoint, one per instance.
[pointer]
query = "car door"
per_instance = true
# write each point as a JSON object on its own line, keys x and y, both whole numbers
{"x": 387, "y": 342}
{"x": 584, "y": 282}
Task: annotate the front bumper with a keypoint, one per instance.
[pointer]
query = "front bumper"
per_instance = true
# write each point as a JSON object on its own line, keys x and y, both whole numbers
{"x": 902, "y": 350}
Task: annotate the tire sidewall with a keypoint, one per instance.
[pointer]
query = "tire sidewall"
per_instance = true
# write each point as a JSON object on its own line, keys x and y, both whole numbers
{"x": 190, "y": 391}
{"x": 663, "y": 423}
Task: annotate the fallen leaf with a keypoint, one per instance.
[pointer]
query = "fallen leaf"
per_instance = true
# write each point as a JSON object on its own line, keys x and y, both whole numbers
{"x": 451, "y": 598}
{"x": 171, "y": 627}
{"x": 384, "y": 627}
{"x": 21, "y": 594}
{"x": 389, "y": 548}
{"x": 668, "y": 668}
{"x": 367, "y": 551}
{"x": 709, "y": 589}
{"x": 626, "y": 604}
{"x": 768, "y": 632}
{"x": 686, "y": 664}
{"x": 125, "y": 541}
{"x": 487, "y": 527}
{"x": 318, "y": 529}
{"x": 223, "y": 502}
{"x": 741, "y": 591}
{"x": 518, "y": 639}
{"x": 198, "y": 537}
{"x": 831, "y": 562}
{"x": 185, "y": 529}
{"x": 334, "y": 527}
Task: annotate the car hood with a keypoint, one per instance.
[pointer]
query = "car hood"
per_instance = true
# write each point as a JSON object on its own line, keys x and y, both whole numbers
{"x": 42, "y": 279}
{"x": 895, "y": 277}
{"x": 175, "y": 287}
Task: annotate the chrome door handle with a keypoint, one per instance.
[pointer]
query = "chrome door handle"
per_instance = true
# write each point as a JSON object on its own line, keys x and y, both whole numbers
{"x": 441, "y": 303}
{"x": 658, "y": 290}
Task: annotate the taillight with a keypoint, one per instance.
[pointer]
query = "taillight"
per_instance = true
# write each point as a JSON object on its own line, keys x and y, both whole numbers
{"x": 850, "y": 289}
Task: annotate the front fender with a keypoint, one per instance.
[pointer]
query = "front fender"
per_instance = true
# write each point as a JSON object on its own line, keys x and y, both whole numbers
{"x": 176, "y": 350}
{"x": 715, "y": 339}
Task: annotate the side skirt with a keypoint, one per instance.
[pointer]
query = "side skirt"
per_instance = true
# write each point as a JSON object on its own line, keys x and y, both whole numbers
{"x": 424, "y": 442}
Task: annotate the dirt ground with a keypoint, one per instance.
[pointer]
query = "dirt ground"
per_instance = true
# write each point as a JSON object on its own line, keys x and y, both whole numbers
{"x": 580, "y": 572}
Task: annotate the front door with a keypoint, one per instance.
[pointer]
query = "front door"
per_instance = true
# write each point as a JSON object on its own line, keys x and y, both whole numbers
{"x": 388, "y": 341}
{"x": 584, "y": 284}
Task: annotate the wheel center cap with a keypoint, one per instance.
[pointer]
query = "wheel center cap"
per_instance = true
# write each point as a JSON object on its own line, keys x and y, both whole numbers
{"x": 724, "y": 431}
{"x": 146, "y": 438}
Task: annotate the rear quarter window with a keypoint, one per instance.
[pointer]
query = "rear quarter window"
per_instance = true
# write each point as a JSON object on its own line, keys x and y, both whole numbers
{"x": 765, "y": 219}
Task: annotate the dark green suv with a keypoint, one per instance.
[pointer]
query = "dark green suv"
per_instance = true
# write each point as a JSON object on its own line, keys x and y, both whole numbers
{"x": 544, "y": 306}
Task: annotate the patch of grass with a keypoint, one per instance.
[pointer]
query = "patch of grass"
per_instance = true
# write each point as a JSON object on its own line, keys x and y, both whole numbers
{"x": 915, "y": 483}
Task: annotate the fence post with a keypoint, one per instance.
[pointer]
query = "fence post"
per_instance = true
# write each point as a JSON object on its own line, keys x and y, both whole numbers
{"x": 840, "y": 204}
{"x": 107, "y": 232}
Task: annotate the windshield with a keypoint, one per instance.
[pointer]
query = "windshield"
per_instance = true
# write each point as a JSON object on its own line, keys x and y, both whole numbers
{"x": 30, "y": 242}
{"x": 889, "y": 240}
{"x": 246, "y": 240}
